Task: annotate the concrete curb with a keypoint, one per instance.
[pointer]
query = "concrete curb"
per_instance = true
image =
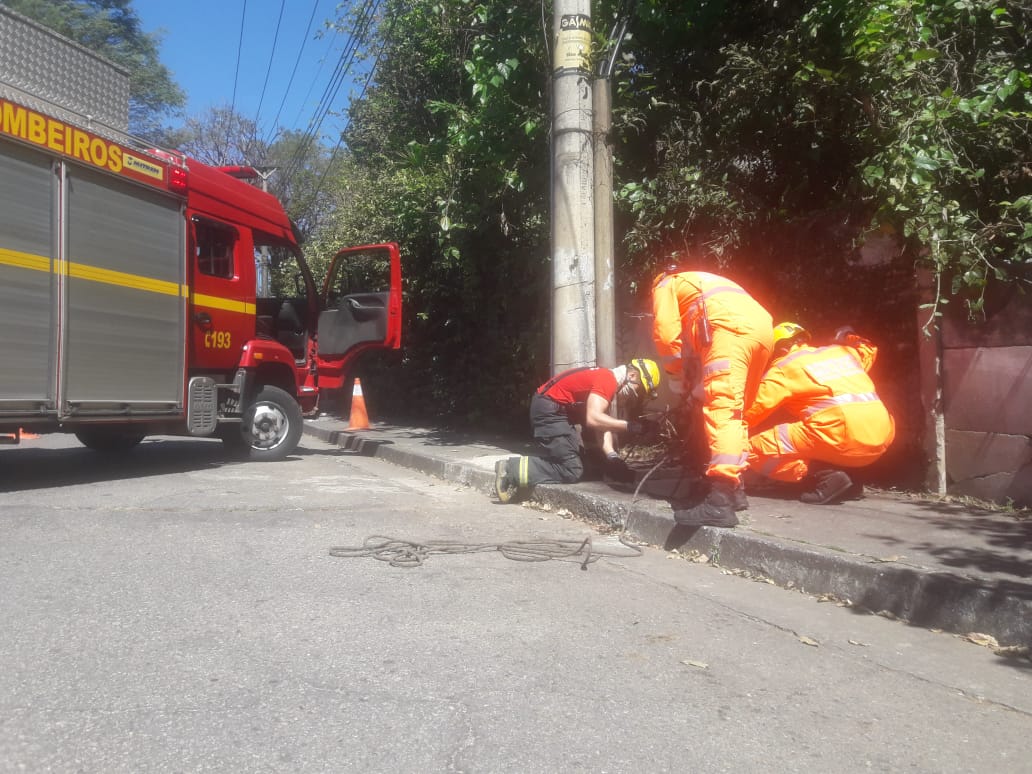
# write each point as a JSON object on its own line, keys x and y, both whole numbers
{"x": 937, "y": 600}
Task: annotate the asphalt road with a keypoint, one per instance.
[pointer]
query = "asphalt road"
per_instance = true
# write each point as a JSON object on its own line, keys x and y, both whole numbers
{"x": 172, "y": 611}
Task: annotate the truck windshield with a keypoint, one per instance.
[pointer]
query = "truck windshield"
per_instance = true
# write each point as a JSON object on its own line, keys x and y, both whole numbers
{"x": 279, "y": 273}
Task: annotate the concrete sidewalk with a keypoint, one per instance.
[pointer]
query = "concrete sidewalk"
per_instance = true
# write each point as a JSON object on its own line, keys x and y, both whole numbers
{"x": 932, "y": 564}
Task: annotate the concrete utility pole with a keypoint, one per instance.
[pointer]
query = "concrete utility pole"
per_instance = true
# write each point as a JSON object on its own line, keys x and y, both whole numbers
{"x": 573, "y": 231}
{"x": 605, "y": 279}
{"x": 605, "y": 290}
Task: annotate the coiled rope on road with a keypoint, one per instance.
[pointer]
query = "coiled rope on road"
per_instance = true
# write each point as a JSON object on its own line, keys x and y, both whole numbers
{"x": 408, "y": 553}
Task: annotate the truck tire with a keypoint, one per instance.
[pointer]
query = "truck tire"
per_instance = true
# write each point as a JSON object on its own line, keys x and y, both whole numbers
{"x": 272, "y": 425}
{"x": 109, "y": 440}
{"x": 233, "y": 441}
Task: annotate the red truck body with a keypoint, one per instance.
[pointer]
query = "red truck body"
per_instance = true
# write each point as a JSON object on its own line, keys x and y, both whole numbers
{"x": 135, "y": 294}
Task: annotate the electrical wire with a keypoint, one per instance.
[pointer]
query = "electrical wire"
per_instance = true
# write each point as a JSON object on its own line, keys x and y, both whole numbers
{"x": 240, "y": 49}
{"x": 315, "y": 78}
{"x": 340, "y": 140}
{"x": 330, "y": 93}
{"x": 366, "y": 16}
{"x": 272, "y": 55}
{"x": 290, "y": 82}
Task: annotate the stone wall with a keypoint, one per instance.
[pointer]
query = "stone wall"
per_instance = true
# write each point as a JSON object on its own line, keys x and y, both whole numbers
{"x": 987, "y": 399}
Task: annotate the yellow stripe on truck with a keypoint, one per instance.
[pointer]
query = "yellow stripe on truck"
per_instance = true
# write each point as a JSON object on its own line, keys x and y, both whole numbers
{"x": 123, "y": 280}
{"x": 24, "y": 260}
{"x": 92, "y": 273}
{"x": 226, "y": 304}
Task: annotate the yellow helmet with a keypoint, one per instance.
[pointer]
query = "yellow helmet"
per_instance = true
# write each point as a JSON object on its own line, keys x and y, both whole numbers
{"x": 788, "y": 333}
{"x": 648, "y": 374}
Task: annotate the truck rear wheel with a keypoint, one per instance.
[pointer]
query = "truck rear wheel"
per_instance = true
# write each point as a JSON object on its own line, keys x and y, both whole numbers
{"x": 272, "y": 425}
{"x": 109, "y": 440}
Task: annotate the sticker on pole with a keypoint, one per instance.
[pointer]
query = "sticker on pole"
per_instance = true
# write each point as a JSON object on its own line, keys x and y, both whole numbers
{"x": 573, "y": 44}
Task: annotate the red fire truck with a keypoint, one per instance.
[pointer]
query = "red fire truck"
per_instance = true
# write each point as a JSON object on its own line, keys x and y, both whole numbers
{"x": 145, "y": 293}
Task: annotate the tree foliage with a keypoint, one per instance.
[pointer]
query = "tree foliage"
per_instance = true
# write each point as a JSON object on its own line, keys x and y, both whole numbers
{"x": 292, "y": 168}
{"x": 112, "y": 28}
{"x": 911, "y": 115}
{"x": 777, "y": 140}
{"x": 222, "y": 136}
{"x": 947, "y": 91}
{"x": 449, "y": 156}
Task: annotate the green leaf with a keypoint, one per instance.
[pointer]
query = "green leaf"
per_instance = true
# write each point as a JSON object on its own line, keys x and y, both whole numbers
{"x": 922, "y": 161}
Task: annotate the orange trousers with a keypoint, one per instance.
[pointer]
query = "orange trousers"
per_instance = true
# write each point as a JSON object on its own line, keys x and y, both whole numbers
{"x": 731, "y": 371}
{"x": 846, "y": 436}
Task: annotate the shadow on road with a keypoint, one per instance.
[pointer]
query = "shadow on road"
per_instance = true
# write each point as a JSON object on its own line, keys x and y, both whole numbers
{"x": 28, "y": 467}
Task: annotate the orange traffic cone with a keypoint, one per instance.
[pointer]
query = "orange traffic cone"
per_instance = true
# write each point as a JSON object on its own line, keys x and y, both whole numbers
{"x": 359, "y": 420}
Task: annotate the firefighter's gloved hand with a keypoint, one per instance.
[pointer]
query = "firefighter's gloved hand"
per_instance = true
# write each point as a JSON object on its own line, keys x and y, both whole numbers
{"x": 845, "y": 334}
{"x": 618, "y": 470}
{"x": 641, "y": 427}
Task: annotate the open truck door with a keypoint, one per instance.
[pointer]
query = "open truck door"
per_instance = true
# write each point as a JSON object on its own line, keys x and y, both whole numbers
{"x": 361, "y": 308}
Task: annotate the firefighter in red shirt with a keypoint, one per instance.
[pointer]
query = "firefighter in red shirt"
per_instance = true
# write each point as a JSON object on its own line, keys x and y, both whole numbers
{"x": 577, "y": 396}
{"x": 709, "y": 321}
{"x": 834, "y": 417}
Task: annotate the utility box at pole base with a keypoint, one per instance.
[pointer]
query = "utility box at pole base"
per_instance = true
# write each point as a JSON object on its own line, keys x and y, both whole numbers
{"x": 129, "y": 301}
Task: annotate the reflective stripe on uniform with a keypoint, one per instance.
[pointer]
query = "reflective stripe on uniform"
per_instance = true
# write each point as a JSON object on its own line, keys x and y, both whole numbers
{"x": 784, "y": 439}
{"x": 523, "y": 477}
{"x": 721, "y": 289}
{"x": 840, "y": 400}
{"x": 729, "y": 459}
{"x": 698, "y": 306}
{"x": 716, "y": 366}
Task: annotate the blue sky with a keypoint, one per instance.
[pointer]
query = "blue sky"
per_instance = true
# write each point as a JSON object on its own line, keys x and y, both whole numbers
{"x": 201, "y": 39}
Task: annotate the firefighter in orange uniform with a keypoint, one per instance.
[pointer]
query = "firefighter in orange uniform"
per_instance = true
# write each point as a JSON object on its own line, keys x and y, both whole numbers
{"x": 835, "y": 417}
{"x": 714, "y": 339}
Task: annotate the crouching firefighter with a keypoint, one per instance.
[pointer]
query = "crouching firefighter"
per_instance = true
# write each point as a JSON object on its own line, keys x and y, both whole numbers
{"x": 578, "y": 396}
{"x": 828, "y": 415}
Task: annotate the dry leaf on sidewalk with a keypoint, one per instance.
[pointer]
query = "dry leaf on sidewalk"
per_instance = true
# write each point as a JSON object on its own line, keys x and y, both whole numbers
{"x": 698, "y": 664}
{"x": 982, "y": 639}
{"x": 808, "y": 641}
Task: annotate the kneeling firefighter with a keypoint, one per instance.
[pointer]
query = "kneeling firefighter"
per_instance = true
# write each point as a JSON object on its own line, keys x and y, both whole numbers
{"x": 578, "y": 396}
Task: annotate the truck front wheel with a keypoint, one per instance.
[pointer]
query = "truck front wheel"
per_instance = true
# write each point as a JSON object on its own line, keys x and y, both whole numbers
{"x": 272, "y": 425}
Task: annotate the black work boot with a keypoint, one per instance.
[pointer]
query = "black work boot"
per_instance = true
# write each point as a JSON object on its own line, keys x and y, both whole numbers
{"x": 506, "y": 485}
{"x": 717, "y": 510}
{"x": 828, "y": 486}
{"x": 855, "y": 492}
{"x": 741, "y": 501}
